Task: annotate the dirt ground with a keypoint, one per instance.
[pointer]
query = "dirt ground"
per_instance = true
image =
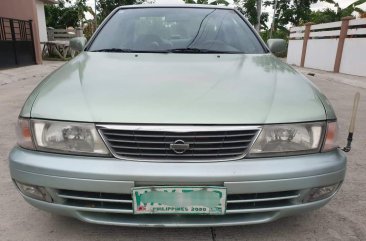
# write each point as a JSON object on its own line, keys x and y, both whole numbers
{"x": 344, "y": 218}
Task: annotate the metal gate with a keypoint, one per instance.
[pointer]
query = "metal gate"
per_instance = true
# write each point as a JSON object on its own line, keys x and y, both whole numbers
{"x": 16, "y": 43}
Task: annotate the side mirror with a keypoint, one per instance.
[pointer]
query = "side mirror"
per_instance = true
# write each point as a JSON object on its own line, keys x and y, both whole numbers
{"x": 78, "y": 43}
{"x": 277, "y": 46}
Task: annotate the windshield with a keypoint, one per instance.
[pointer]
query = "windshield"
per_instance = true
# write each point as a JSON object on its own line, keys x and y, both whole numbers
{"x": 191, "y": 30}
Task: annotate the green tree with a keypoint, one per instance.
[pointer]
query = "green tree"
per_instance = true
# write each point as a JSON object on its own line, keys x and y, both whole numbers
{"x": 298, "y": 12}
{"x": 105, "y": 7}
{"x": 247, "y": 7}
{"x": 250, "y": 10}
{"x": 329, "y": 15}
{"x": 215, "y": 2}
{"x": 81, "y": 7}
{"x": 324, "y": 16}
{"x": 293, "y": 12}
{"x": 60, "y": 16}
{"x": 347, "y": 11}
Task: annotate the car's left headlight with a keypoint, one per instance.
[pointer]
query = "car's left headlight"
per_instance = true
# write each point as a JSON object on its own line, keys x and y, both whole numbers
{"x": 67, "y": 137}
{"x": 288, "y": 139}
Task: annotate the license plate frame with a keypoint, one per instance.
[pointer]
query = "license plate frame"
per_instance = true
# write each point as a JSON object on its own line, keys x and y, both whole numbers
{"x": 176, "y": 200}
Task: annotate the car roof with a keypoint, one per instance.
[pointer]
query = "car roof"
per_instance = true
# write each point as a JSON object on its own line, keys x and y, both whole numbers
{"x": 176, "y": 6}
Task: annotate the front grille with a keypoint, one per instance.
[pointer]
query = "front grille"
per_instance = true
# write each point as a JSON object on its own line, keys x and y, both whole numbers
{"x": 177, "y": 143}
{"x": 122, "y": 203}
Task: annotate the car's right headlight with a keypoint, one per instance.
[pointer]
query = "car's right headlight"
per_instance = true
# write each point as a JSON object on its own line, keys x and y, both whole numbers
{"x": 289, "y": 139}
{"x": 61, "y": 137}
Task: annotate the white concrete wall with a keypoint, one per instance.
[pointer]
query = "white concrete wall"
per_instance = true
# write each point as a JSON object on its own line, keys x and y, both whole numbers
{"x": 354, "y": 57}
{"x": 294, "y": 52}
{"x": 323, "y": 44}
{"x": 321, "y": 54}
{"x": 41, "y": 21}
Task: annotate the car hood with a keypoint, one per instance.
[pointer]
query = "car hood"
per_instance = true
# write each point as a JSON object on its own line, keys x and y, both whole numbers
{"x": 176, "y": 89}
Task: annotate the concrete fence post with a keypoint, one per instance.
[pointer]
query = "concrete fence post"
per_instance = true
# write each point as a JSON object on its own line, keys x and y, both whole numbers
{"x": 342, "y": 38}
{"x": 305, "y": 43}
{"x": 50, "y": 34}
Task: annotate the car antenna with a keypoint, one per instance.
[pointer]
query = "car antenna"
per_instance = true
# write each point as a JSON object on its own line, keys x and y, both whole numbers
{"x": 348, "y": 147}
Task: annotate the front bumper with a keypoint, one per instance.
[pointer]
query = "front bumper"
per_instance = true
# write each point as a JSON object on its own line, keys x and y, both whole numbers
{"x": 278, "y": 177}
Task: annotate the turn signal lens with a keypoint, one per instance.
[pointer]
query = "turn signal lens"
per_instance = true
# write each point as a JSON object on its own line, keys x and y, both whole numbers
{"x": 24, "y": 134}
{"x": 33, "y": 191}
{"x": 320, "y": 193}
{"x": 330, "y": 137}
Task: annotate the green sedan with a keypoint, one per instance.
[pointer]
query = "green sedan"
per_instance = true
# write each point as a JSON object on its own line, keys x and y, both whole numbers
{"x": 177, "y": 116}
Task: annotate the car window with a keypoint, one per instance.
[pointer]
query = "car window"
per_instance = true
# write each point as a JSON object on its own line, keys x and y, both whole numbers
{"x": 169, "y": 29}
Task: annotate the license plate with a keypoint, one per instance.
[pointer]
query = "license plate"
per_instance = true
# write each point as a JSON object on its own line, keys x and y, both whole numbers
{"x": 179, "y": 200}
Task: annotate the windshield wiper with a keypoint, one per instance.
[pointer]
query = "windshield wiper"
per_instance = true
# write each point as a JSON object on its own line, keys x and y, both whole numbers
{"x": 113, "y": 50}
{"x": 197, "y": 50}
{"x": 117, "y": 50}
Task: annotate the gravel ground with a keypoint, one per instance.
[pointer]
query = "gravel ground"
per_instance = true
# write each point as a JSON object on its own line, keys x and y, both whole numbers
{"x": 344, "y": 218}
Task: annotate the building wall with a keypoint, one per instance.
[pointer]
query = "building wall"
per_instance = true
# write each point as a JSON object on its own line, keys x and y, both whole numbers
{"x": 24, "y": 10}
{"x": 337, "y": 46}
{"x": 41, "y": 21}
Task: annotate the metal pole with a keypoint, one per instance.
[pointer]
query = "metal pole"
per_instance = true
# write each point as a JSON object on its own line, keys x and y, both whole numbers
{"x": 95, "y": 15}
{"x": 274, "y": 19}
{"x": 30, "y": 22}
{"x": 259, "y": 13}
{"x": 11, "y": 23}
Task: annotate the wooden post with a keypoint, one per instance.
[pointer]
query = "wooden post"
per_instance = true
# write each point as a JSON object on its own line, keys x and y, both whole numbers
{"x": 305, "y": 43}
{"x": 342, "y": 38}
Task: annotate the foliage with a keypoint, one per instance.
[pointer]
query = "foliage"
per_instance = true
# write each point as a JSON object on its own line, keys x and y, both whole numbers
{"x": 249, "y": 9}
{"x": 294, "y": 12}
{"x": 105, "y": 7}
{"x": 324, "y": 16}
{"x": 353, "y": 7}
{"x": 282, "y": 33}
{"x": 215, "y": 2}
{"x": 60, "y": 16}
{"x": 73, "y": 15}
{"x": 329, "y": 15}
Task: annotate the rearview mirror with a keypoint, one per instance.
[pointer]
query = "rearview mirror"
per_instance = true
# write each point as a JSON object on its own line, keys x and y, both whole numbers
{"x": 78, "y": 43}
{"x": 277, "y": 46}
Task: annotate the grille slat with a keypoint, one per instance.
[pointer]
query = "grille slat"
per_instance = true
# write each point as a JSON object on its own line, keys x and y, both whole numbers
{"x": 236, "y": 203}
{"x": 193, "y": 148}
{"x": 178, "y": 143}
{"x": 174, "y": 136}
{"x": 95, "y": 199}
{"x": 262, "y": 199}
{"x": 174, "y": 155}
{"x": 164, "y": 142}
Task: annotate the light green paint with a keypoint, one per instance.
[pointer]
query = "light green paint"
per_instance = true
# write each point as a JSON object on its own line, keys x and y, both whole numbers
{"x": 177, "y": 89}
